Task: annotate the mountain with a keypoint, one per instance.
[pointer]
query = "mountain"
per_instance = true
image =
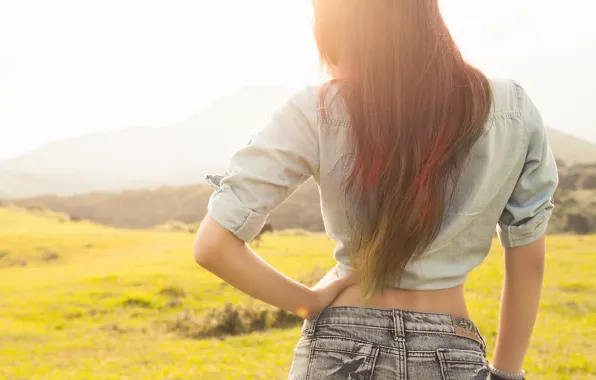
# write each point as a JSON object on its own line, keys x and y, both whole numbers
{"x": 176, "y": 155}
{"x": 571, "y": 149}
{"x": 14, "y": 184}
{"x": 140, "y": 157}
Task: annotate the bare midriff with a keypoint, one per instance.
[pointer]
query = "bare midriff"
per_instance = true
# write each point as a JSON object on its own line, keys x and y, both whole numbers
{"x": 446, "y": 301}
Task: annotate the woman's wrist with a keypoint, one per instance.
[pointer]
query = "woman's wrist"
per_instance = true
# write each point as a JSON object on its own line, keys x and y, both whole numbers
{"x": 499, "y": 374}
{"x": 301, "y": 302}
{"x": 309, "y": 304}
{"x": 505, "y": 360}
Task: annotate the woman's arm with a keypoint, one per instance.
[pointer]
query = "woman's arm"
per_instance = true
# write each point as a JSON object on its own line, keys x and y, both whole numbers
{"x": 522, "y": 227}
{"x": 231, "y": 259}
{"x": 524, "y": 270}
{"x": 260, "y": 176}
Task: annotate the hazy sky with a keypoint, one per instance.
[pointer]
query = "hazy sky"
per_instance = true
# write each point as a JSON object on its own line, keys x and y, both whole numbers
{"x": 68, "y": 68}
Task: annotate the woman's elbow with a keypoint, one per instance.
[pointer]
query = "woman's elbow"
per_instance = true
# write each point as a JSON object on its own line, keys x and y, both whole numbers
{"x": 211, "y": 243}
{"x": 205, "y": 244}
{"x": 203, "y": 252}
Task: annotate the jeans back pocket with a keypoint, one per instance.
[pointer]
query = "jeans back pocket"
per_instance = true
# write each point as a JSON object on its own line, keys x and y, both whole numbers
{"x": 340, "y": 359}
{"x": 463, "y": 364}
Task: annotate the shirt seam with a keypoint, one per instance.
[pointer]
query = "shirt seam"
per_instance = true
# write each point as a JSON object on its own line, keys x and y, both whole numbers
{"x": 306, "y": 119}
{"x": 523, "y": 120}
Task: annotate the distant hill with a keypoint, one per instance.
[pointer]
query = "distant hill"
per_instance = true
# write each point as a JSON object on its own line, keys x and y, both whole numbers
{"x": 25, "y": 184}
{"x": 139, "y": 157}
{"x": 571, "y": 149}
{"x": 188, "y": 204}
{"x": 575, "y": 211}
{"x": 175, "y": 155}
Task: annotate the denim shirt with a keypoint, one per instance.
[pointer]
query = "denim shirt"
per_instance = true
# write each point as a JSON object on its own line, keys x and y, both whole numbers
{"x": 507, "y": 182}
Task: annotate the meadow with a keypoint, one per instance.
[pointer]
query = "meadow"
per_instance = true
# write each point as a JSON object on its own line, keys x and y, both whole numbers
{"x": 82, "y": 301}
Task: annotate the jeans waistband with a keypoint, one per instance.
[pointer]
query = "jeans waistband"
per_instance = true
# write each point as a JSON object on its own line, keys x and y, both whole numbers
{"x": 396, "y": 320}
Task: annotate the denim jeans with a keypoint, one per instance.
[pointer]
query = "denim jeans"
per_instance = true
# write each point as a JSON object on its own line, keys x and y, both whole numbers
{"x": 350, "y": 343}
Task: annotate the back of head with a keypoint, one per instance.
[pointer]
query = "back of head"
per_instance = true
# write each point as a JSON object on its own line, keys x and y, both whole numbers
{"x": 416, "y": 109}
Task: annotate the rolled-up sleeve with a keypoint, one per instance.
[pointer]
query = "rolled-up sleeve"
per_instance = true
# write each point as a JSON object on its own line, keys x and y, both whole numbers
{"x": 260, "y": 176}
{"x": 528, "y": 210}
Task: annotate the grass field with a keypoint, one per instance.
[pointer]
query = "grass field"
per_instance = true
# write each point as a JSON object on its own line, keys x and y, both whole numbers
{"x": 79, "y": 301}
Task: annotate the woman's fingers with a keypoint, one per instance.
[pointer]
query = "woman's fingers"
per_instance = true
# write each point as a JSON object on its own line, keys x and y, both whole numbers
{"x": 348, "y": 280}
{"x": 332, "y": 285}
{"x": 327, "y": 278}
{"x": 327, "y": 290}
{"x": 339, "y": 284}
{"x": 331, "y": 275}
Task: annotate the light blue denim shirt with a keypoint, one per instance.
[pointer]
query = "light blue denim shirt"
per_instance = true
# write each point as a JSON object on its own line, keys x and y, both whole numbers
{"x": 507, "y": 182}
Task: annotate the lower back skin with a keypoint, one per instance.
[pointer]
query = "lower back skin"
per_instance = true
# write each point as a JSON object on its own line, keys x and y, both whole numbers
{"x": 445, "y": 301}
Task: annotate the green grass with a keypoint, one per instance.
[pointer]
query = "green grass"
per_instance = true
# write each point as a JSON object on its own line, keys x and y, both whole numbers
{"x": 97, "y": 307}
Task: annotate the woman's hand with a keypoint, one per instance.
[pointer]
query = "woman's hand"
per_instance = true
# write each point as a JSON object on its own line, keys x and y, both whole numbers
{"x": 326, "y": 291}
{"x": 231, "y": 259}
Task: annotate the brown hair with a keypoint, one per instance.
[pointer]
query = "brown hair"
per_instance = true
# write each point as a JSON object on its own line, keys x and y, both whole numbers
{"x": 416, "y": 108}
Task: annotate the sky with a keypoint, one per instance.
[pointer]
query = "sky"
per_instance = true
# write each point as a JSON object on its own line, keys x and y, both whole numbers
{"x": 69, "y": 68}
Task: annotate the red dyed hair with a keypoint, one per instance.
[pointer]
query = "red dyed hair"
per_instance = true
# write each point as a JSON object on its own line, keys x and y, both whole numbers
{"x": 416, "y": 108}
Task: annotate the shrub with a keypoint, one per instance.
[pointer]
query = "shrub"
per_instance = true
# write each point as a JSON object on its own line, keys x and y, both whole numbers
{"x": 114, "y": 328}
{"x": 589, "y": 182}
{"x": 73, "y": 313}
{"x": 578, "y": 224}
{"x": 49, "y": 255}
{"x": 292, "y": 232}
{"x": 174, "y": 303}
{"x": 137, "y": 302}
{"x": 18, "y": 263}
{"x": 231, "y": 320}
{"x": 172, "y": 291}
{"x": 174, "y": 226}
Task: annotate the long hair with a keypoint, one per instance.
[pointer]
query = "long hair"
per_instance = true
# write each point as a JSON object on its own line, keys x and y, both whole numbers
{"x": 416, "y": 108}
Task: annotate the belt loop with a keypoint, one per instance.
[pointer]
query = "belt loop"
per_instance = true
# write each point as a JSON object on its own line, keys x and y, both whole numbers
{"x": 399, "y": 333}
{"x": 483, "y": 342}
{"x": 311, "y": 326}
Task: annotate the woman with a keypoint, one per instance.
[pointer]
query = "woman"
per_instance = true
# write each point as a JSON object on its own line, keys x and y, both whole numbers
{"x": 418, "y": 156}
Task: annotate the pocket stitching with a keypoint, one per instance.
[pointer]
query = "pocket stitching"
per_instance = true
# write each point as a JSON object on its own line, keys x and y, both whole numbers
{"x": 304, "y": 341}
{"x": 344, "y": 352}
{"x": 333, "y": 338}
{"x": 311, "y": 352}
{"x": 370, "y": 359}
{"x": 374, "y": 361}
{"x": 441, "y": 352}
{"x": 444, "y": 361}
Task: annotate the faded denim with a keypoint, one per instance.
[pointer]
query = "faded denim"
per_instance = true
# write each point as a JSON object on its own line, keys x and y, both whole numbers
{"x": 508, "y": 181}
{"x": 348, "y": 343}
